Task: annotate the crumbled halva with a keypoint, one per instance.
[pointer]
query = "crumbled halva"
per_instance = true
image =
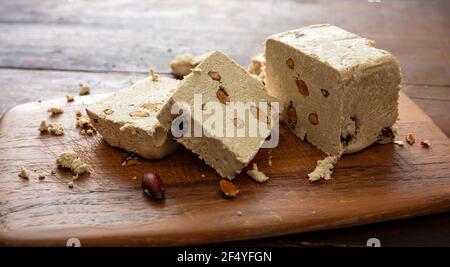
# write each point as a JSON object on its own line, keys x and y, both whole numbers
{"x": 324, "y": 169}
{"x": 128, "y": 120}
{"x": 51, "y": 127}
{"x": 257, "y": 67}
{"x": 70, "y": 160}
{"x": 221, "y": 83}
{"x": 257, "y": 175}
{"x": 183, "y": 64}
{"x": 55, "y": 110}
{"x": 340, "y": 92}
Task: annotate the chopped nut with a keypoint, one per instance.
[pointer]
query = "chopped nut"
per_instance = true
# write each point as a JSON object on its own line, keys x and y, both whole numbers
{"x": 55, "y": 110}
{"x": 425, "y": 143}
{"x": 130, "y": 159}
{"x": 153, "y": 186}
{"x": 313, "y": 118}
{"x": 410, "y": 139}
{"x": 222, "y": 95}
{"x": 324, "y": 92}
{"x": 24, "y": 173}
{"x": 259, "y": 114}
{"x": 155, "y": 77}
{"x": 140, "y": 114}
{"x": 257, "y": 175}
{"x": 290, "y": 63}
{"x": 291, "y": 116}
{"x": 84, "y": 89}
{"x": 228, "y": 188}
{"x": 132, "y": 162}
{"x": 150, "y": 106}
{"x": 302, "y": 88}
{"x": 108, "y": 111}
{"x": 41, "y": 176}
{"x": 70, "y": 98}
{"x": 214, "y": 75}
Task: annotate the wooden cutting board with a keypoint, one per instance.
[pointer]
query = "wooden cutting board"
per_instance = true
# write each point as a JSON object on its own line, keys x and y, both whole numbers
{"x": 108, "y": 207}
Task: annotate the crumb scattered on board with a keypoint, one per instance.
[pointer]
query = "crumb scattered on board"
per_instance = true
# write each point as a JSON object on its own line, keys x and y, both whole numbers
{"x": 410, "y": 139}
{"x": 130, "y": 159}
{"x": 70, "y": 160}
{"x": 155, "y": 77}
{"x": 324, "y": 169}
{"x": 55, "y": 110}
{"x": 24, "y": 173}
{"x": 84, "y": 89}
{"x": 257, "y": 175}
{"x": 70, "y": 98}
{"x": 51, "y": 127}
{"x": 84, "y": 123}
{"x": 41, "y": 176}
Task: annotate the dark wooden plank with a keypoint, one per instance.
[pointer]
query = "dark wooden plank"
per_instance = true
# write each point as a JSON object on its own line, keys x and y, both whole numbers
{"x": 93, "y": 35}
{"x": 408, "y": 182}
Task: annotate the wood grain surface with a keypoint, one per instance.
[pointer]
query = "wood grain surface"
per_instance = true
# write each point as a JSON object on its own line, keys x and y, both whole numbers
{"x": 108, "y": 207}
{"x": 48, "y": 47}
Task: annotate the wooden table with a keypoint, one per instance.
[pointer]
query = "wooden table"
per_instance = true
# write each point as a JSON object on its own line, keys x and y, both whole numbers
{"x": 48, "y": 47}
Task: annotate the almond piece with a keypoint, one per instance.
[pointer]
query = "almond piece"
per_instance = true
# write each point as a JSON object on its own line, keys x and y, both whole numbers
{"x": 313, "y": 119}
{"x": 228, "y": 188}
{"x": 150, "y": 106}
{"x": 139, "y": 114}
{"x": 214, "y": 75}
{"x": 410, "y": 139}
{"x": 290, "y": 63}
{"x": 260, "y": 115}
{"x": 291, "y": 116}
{"x": 324, "y": 92}
{"x": 108, "y": 111}
{"x": 222, "y": 95}
{"x": 302, "y": 88}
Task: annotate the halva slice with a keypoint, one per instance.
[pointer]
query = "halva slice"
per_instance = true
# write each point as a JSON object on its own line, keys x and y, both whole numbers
{"x": 128, "y": 120}
{"x": 340, "y": 93}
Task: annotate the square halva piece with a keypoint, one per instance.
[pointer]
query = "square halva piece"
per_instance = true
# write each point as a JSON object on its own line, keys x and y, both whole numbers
{"x": 127, "y": 119}
{"x": 222, "y": 83}
{"x": 339, "y": 92}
